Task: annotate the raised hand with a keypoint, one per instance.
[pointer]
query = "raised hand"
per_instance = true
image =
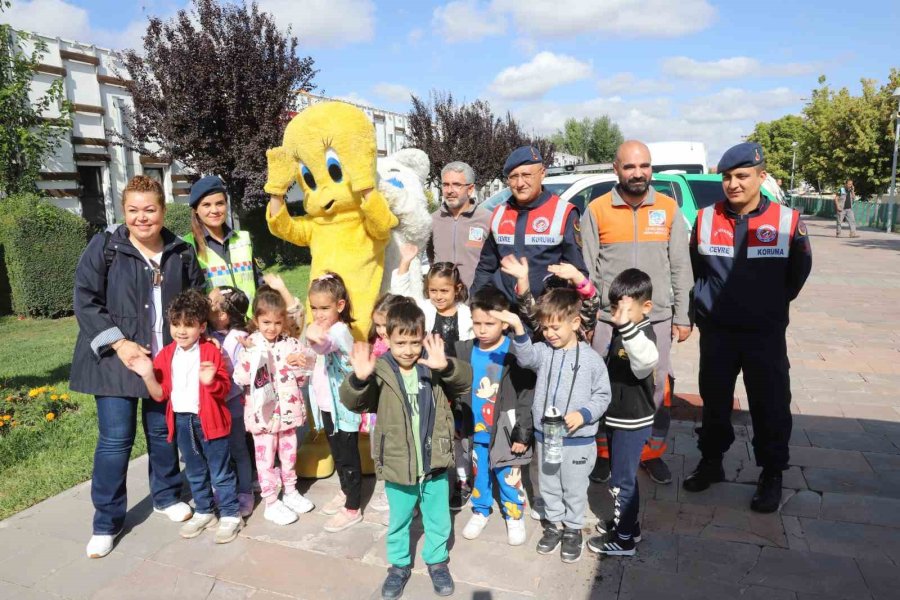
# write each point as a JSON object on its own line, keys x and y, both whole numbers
{"x": 408, "y": 252}
{"x": 511, "y": 319}
{"x": 516, "y": 267}
{"x": 207, "y": 372}
{"x": 567, "y": 272}
{"x": 315, "y": 333}
{"x": 620, "y": 313}
{"x": 362, "y": 360}
{"x": 282, "y": 171}
{"x": 275, "y": 282}
{"x": 434, "y": 349}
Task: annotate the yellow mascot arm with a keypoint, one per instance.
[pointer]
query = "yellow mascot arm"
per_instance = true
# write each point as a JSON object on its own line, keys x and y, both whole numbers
{"x": 377, "y": 216}
{"x": 297, "y": 231}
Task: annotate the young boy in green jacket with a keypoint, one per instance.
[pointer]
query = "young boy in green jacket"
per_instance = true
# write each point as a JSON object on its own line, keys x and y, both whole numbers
{"x": 410, "y": 391}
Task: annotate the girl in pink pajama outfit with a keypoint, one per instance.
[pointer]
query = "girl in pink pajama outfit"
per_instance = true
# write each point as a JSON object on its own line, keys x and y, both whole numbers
{"x": 281, "y": 364}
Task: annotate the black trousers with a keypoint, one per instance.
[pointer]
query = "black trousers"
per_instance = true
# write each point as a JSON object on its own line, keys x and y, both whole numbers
{"x": 345, "y": 451}
{"x": 762, "y": 356}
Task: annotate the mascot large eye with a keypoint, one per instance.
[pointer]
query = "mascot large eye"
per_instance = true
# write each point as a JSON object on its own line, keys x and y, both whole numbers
{"x": 308, "y": 176}
{"x": 334, "y": 166}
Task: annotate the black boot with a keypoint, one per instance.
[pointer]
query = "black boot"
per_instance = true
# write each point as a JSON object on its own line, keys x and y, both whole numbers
{"x": 441, "y": 579}
{"x": 393, "y": 585}
{"x": 708, "y": 471}
{"x": 768, "y": 492}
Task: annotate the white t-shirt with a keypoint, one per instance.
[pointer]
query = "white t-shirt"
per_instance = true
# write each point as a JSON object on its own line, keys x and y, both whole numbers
{"x": 186, "y": 379}
{"x": 156, "y": 342}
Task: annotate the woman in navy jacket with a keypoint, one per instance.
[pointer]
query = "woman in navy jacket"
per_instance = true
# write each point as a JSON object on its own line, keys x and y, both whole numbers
{"x": 125, "y": 279}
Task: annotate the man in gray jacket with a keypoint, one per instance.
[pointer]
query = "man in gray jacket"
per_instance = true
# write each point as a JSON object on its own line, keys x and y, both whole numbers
{"x": 633, "y": 226}
{"x": 459, "y": 229}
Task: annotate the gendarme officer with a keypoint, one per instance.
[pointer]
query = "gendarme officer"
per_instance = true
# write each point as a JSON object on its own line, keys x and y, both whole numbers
{"x": 751, "y": 257}
{"x": 534, "y": 224}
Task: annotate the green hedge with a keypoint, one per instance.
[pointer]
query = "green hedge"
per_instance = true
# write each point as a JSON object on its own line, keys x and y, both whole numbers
{"x": 266, "y": 246}
{"x": 41, "y": 247}
{"x": 178, "y": 218}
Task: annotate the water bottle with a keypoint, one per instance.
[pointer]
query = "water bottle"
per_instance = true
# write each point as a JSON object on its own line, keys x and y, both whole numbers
{"x": 554, "y": 430}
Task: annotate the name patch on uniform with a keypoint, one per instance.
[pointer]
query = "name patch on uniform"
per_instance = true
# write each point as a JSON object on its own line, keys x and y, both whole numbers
{"x": 541, "y": 224}
{"x": 711, "y": 250}
{"x": 765, "y": 252}
{"x": 657, "y": 218}
{"x": 766, "y": 233}
{"x": 476, "y": 234}
{"x": 542, "y": 240}
{"x": 504, "y": 238}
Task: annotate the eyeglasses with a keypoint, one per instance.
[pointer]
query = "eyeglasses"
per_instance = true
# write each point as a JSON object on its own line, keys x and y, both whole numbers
{"x": 526, "y": 177}
{"x": 455, "y": 186}
{"x": 156, "y": 276}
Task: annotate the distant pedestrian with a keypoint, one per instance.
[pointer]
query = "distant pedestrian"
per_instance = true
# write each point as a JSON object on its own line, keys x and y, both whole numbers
{"x": 843, "y": 208}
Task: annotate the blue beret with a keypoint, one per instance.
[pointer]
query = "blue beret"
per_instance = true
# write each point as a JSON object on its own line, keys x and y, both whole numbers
{"x": 204, "y": 187}
{"x": 523, "y": 155}
{"x": 747, "y": 154}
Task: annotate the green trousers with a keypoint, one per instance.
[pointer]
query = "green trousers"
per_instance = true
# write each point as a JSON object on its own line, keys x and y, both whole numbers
{"x": 433, "y": 498}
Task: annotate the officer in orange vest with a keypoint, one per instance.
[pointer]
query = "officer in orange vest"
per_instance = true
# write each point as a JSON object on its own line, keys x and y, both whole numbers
{"x": 534, "y": 223}
{"x": 751, "y": 258}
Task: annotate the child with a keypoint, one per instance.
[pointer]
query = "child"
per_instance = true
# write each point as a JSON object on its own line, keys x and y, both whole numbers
{"x": 228, "y": 325}
{"x": 272, "y": 357}
{"x": 631, "y": 360}
{"x": 190, "y": 376}
{"x": 411, "y": 392}
{"x": 571, "y": 378}
{"x": 379, "y": 343}
{"x": 445, "y": 311}
{"x": 329, "y": 335}
{"x": 501, "y": 399}
{"x": 448, "y": 316}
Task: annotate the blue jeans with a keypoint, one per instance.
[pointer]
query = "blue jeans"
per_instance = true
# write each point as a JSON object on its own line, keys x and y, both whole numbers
{"x": 117, "y": 422}
{"x": 625, "y": 448}
{"x": 207, "y": 464}
{"x": 237, "y": 441}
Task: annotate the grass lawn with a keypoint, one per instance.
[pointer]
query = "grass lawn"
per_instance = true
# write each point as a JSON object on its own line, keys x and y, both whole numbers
{"x": 41, "y": 462}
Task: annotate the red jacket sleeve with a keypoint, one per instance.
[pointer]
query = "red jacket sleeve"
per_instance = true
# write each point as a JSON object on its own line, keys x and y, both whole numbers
{"x": 221, "y": 383}
{"x": 162, "y": 367}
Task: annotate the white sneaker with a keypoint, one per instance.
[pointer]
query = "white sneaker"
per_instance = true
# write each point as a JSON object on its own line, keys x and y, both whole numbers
{"x": 100, "y": 545}
{"x": 537, "y": 509}
{"x": 515, "y": 532}
{"x": 177, "y": 513}
{"x": 475, "y": 526}
{"x": 297, "y": 502}
{"x": 197, "y": 524}
{"x": 279, "y": 514}
{"x": 228, "y": 529}
{"x": 379, "y": 501}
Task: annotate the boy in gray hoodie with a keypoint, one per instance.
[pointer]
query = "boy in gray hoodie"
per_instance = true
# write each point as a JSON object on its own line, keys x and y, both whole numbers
{"x": 572, "y": 377}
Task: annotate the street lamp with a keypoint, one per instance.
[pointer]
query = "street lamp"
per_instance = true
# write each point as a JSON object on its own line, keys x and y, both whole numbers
{"x": 890, "y": 211}
{"x": 793, "y": 163}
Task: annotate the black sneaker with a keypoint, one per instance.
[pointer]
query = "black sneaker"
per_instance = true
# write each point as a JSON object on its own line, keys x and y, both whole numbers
{"x": 396, "y": 579}
{"x": 708, "y": 471}
{"x": 572, "y": 544}
{"x": 612, "y": 545}
{"x": 441, "y": 579}
{"x": 460, "y": 497}
{"x": 609, "y": 528}
{"x": 658, "y": 470}
{"x": 600, "y": 473}
{"x": 768, "y": 492}
{"x": 550, "y": 540}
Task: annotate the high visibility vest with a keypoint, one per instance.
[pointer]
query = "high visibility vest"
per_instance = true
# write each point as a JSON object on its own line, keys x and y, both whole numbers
{"x": 545, "y": 227}
{"x": 768, "y": 234}
{"x": 239, "y": 273}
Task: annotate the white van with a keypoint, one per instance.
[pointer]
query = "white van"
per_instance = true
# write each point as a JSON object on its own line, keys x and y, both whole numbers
{"x": 679, "y": 157}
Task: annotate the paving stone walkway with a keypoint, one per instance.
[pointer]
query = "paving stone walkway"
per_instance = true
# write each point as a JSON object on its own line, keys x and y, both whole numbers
{"x": 836, "y": 536}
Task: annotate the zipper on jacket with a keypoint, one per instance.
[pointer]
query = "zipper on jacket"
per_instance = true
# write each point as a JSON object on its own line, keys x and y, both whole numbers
{"x": 381, "y": 453}
{"x": 634, "y": 242}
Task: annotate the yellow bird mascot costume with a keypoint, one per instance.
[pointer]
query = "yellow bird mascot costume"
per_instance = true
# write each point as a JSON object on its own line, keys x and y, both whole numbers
{"x": 329, "y": 149}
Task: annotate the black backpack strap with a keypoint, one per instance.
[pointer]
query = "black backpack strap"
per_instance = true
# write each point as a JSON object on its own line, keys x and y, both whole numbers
{"x": 108, "y": 253}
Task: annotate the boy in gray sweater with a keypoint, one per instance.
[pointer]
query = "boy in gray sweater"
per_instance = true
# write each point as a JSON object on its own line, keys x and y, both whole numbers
{"x": 572, "y": 377}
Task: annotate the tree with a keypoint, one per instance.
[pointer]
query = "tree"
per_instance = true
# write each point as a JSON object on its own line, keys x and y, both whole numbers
{"x": 850, "y": 137}
{"x": 776, "y": 138}
{"x": 30, "y": 127}
{"x": 448, "y": 131}
{"x": 594, "y": 140}
{"x": 213, "y": 91}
